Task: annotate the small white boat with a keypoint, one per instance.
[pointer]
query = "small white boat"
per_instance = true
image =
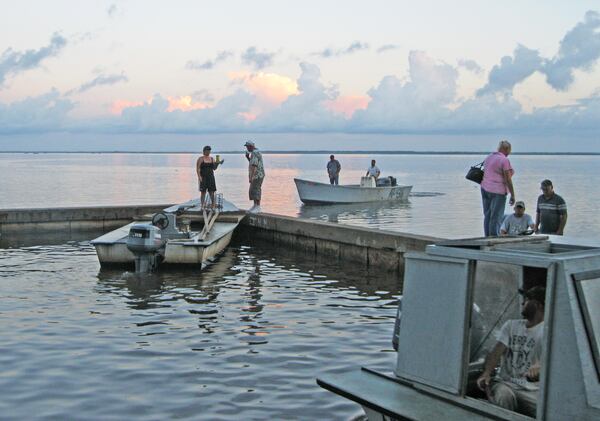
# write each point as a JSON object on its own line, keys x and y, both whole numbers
{"x": 315, "y": 193}
{"x": 165, "y": 240}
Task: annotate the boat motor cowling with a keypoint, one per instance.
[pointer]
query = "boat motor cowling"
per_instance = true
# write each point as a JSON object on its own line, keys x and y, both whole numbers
{"x": 145, "y": 241}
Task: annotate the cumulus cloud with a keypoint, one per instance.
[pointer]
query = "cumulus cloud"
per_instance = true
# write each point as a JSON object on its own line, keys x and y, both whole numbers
{"x": 307, "y": 110}
{"x": 416, "y": 104}
{"x": 387, "y": 47}
{"x": 579, "y": 49}
{"x": 512, "y": 70}
{"x": 352, "y": 48}
{"x": 258, "y": 60}
{"x": 100, "y": 80}
{"x": 470, "y": 65}
{"x": 43, "y": 113}
{"x": 209, "y": 64}
{"x": 15, "y": 62}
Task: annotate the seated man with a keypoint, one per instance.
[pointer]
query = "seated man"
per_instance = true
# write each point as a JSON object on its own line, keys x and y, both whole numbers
{"x": 517, "y": 223}
{"x": 519, "y": 349}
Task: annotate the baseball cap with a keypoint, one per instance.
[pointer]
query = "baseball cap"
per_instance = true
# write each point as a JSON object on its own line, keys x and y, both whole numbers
{"x": 249, "y": 143}
{"x": 537, "y": 293}
{"x": 520, "y": 204}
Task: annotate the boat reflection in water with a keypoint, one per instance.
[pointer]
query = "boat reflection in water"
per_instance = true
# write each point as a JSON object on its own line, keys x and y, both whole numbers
{"x": 373, "y": 213}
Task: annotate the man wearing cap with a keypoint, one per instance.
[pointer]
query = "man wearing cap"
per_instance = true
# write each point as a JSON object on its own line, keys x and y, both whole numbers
{"x": 518, "y": 222}
{"x": 519, "y": 352}
{"x": 256, "y": 174}
{"x": 551, "y": 213}
{"x": 333, "y": 170}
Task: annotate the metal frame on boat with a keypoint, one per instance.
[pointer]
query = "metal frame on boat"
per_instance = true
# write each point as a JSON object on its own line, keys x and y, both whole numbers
{"x": 433, "y": 377}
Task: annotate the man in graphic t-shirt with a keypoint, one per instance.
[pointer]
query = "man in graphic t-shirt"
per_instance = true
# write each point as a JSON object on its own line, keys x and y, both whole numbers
{"x": 551, "y": 213}
{"x": 519, "y": 351}
{"x": 518, "y": 222}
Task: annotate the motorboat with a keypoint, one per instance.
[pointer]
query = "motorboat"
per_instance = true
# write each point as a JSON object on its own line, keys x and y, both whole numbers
{"x": 369, "y": 190}
{"x": 184, "y": 234}
{"x": 456, "y": 295}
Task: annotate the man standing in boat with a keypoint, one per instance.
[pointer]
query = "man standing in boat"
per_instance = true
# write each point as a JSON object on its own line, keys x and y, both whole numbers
{"x": 519, "y": 351}
{"x": 333, "y": 170}
{"x": 256, "y": 174}
{"x": 373, "y": 170}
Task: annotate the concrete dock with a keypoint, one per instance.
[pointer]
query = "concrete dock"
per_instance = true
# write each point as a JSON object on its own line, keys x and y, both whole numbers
{"x": 374, "y": 249}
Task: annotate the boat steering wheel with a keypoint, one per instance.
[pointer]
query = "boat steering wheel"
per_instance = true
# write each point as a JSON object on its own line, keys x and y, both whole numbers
{"x": 160, "y": 220}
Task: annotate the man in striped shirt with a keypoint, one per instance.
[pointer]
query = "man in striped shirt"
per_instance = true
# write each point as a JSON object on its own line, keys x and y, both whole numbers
{"x": 551, "y": 214}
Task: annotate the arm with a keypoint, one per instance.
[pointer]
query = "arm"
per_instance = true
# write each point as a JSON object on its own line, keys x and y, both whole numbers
{"x": 198, "y": 162}
{"x": 252, "y": 172}
{"x": 563, "y": 222}
{"x": 531, "y": 224}
{"x": 508, "y": 181}
{"x": 339, "y": 168}
{"x": 537, "y": 221}
{"x": 491, "y": 362}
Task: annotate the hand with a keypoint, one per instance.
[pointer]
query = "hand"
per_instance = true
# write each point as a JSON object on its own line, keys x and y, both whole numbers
{"x": 483, "y": 382}
{"x": 512, "y": 200}
{"x": 559, "y": 232}
{"x": 533, "y": 374}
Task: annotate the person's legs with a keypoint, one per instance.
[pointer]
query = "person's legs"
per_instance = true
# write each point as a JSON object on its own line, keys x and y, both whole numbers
{"x": 527, "y": 401}
{"x": 213, "y": 204}
{"x": 255, "y": 191}
{"x": 202, "y": 198}
{"x": 485, "y": 201}
{"x": 331, "y": 180}
{"x": 497, "y": 206}
{"x": 502, "y": 395}
{"x": 336, "y": 179}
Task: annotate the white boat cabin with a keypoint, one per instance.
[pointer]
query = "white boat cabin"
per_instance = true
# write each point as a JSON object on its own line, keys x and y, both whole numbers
{"x": 441, "y": 346}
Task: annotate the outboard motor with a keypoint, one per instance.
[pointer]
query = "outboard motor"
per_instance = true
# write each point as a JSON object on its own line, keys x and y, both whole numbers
{"x": 145, "y": 242}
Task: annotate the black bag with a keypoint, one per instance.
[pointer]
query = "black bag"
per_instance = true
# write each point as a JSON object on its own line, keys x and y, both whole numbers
{"x": 475, "y": 173}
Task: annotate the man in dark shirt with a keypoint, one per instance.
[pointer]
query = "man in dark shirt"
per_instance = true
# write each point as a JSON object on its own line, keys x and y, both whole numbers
{"x": 333, "y": 170}
{"x": 551, "y": 214}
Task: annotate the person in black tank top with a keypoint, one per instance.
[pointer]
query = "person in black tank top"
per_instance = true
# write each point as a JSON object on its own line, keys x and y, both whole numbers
{"x": 205, "y": 168}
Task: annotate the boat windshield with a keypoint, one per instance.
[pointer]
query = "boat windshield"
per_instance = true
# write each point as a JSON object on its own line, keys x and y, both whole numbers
{"x": 587, "y": 286}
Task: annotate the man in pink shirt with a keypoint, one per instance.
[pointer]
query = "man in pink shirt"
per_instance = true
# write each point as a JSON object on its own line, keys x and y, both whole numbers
{"x": 496, "y": 183}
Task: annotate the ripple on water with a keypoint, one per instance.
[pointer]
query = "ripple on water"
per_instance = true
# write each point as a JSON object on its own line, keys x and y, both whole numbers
{"x": 248, "y": 335}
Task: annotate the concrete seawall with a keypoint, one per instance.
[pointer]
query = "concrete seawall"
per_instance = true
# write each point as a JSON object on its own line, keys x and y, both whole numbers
{"x": 377, "y": 249}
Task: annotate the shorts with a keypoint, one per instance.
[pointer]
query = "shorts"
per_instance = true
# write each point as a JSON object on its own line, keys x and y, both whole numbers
{"x": 207, "y": 183}
{"x": 255, "y": 190}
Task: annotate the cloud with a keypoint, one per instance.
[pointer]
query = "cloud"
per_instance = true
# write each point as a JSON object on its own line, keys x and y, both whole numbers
{"x": 579, "y": 49}
{"x": 387, "y": 47}
{"x": 470, "y": 65}
{"x": 256, "y": 59}
{"x": 512, "y": 70}
{"x": 209, "y": 64}
{"x": 112, "y": 10}
{"x": 305, "y": 111}
{"x": 43, "y": 113}
{"x": 352, "y": 48}
{"x": 202, "y": 95}
{"x": 100, "y": 80}
{"x": 420, "y": 103}
{"x": 15, "y": 62}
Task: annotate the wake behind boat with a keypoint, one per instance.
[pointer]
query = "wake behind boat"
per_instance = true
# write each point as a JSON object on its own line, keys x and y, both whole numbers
{"x": 315, "y": 193}
{"x": 167, "y": 238}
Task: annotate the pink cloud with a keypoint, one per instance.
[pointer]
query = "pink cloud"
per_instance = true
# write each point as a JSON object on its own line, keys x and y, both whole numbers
{"x": 348, "y": 104}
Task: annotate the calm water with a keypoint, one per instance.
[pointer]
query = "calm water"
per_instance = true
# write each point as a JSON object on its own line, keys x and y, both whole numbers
{"x": 443, "y": 203}
{"x": 244, "y": 339}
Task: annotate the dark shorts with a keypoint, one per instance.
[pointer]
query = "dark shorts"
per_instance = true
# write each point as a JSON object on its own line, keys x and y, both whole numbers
{"x": 255, "y": 190}
{"x": 207, "y": 183}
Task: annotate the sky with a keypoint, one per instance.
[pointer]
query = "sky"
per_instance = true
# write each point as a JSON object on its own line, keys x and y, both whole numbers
{"x": 148, "y": 70}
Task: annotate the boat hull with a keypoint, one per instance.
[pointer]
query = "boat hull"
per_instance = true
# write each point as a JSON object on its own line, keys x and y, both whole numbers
{"x": 314, "y": 193}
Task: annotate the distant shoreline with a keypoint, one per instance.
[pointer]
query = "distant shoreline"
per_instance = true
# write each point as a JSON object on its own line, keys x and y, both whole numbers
{"x": 300, "y": 152}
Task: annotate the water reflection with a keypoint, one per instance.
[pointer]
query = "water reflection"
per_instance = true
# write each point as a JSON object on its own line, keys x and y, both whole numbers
{"x": 376, "y": 213}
